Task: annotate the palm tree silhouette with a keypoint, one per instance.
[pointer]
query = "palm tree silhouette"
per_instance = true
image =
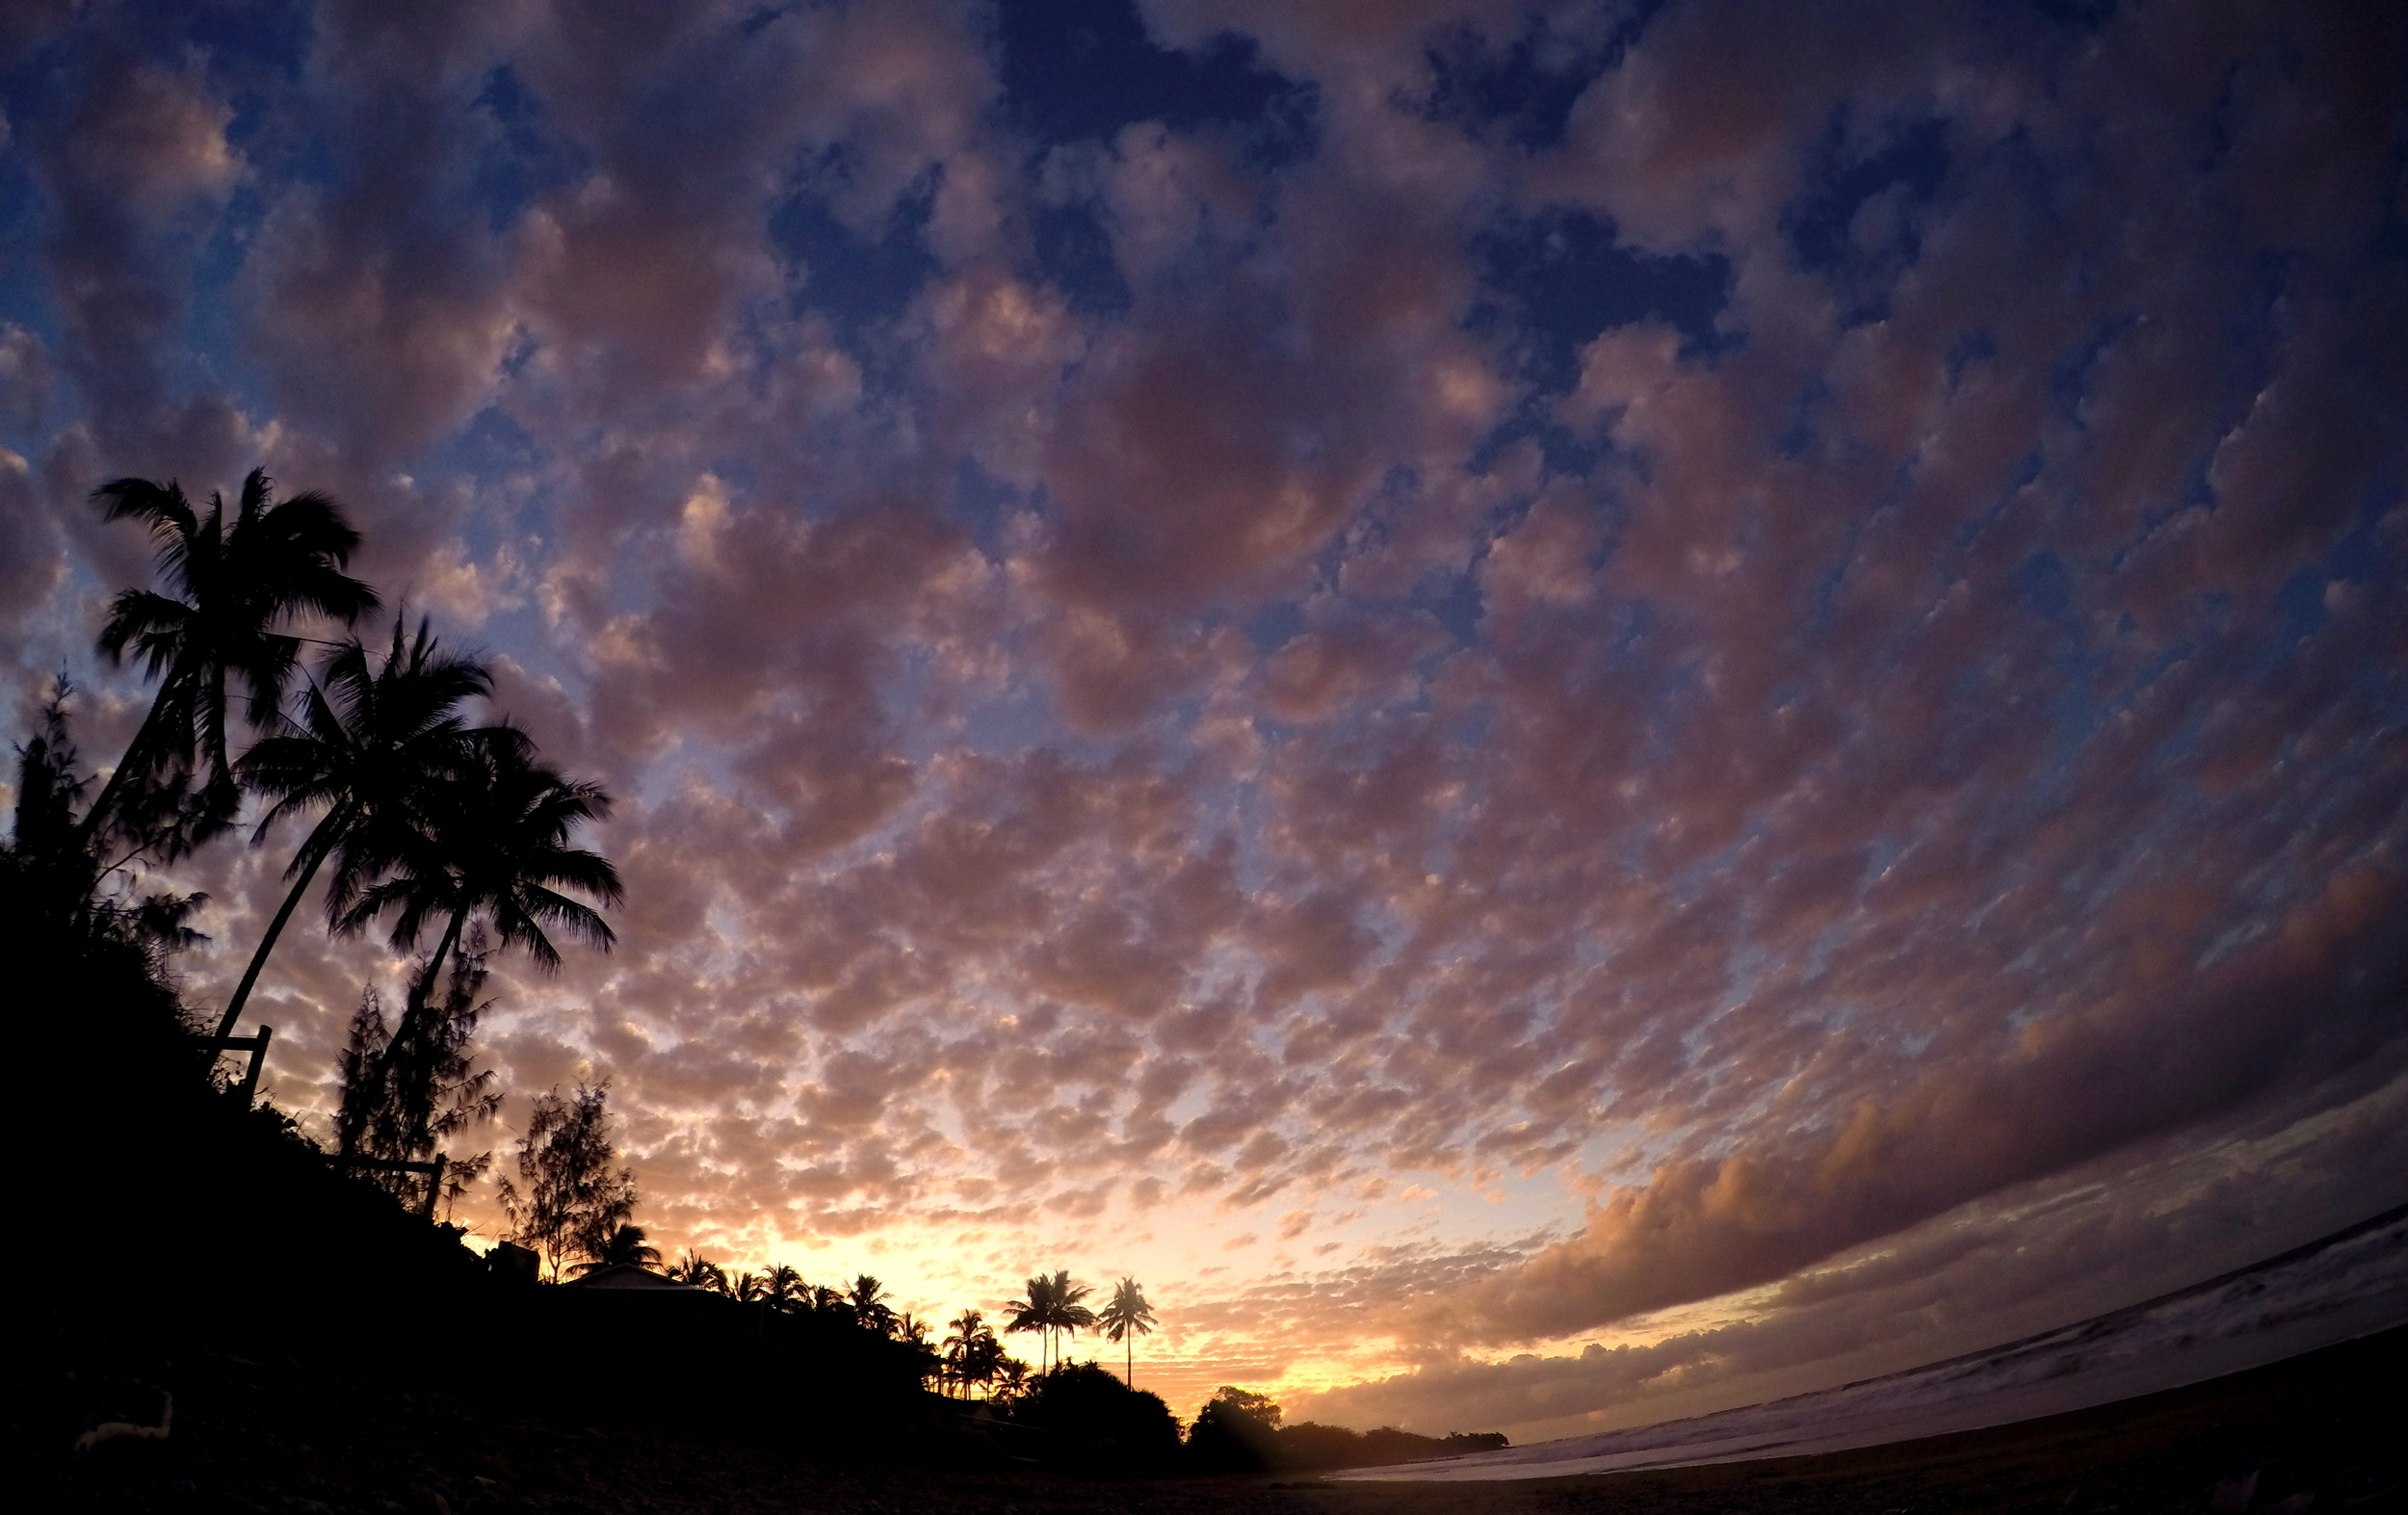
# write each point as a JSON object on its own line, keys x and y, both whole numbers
{"x": 230, "y": 585}
{"x": 1051, "y": 1308}
{"x": 1010, "y": 1377}
{"x": 369, "y": 748}
{"x": 783, "y": 1287}
{"x": 1125, "y": 1318}
{"x": 1035, "y": 1312}
{"x": 699, "y": 1271}
{"x": 623, "y": 1248}
{"x": 1069, "y": 1316}
{"x": 964, "y": 1332}
{"x": 867, "y": 1298}
{"x": 494, "y": 842}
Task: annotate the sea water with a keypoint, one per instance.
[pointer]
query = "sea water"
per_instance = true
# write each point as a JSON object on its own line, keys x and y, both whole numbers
{"x": 2347, "y": 1285}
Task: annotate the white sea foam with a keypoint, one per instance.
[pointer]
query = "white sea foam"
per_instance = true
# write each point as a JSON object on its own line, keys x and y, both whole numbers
{"x": 2347, "y": 1285}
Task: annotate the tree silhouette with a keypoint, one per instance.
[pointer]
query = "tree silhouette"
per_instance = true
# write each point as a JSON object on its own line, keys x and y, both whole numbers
{"x": 867, "y": 1301}
{"x": 53, "y": 880}
{"x": 493, "y": 844}
{"x": 230, "y": 585}
{"x": 700, "y": 1272}
{"x": 370, "y": 747}
{"x": 570, "y": 1196}
{"x": 624, "y": 1247}
{"x": 1125, "y": 1318}
{"x": 1035, "y": 1313}
{"x": 783, "y": 1287}
{"x": 407, "y": 1092}
{"x": 1051, "y": 1309}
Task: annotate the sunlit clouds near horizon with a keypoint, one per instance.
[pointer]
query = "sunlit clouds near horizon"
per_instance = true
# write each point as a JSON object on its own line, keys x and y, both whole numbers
{"x": 1561, "y": 711}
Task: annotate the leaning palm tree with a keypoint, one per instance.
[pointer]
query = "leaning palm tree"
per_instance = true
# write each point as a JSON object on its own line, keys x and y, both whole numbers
{"x": 1125, "y": 1318}
{"x": 494, "y": 842}
{"x": 231, "y": 586}
{"x": 371, "y": 748}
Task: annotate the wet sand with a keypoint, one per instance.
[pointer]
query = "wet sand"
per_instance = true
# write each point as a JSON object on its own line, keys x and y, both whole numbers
{"x": 2332, "y": 1426}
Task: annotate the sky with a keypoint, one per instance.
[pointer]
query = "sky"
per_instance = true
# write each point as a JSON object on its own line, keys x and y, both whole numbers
{"x": 1565, "y": 712}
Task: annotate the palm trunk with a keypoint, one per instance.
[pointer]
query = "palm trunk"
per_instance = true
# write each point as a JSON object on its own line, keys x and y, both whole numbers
{"x": 425, "y": 986}
{"x": 1128, "y": 1372}
{"x": 319, "y": 847}
{"x": 96, "y": 820}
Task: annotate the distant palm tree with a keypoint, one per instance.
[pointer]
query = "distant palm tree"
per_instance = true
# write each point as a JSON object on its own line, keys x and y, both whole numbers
{"x": 1010, "y": 1378}
{"x": 1035, "y": 1312}
{"x": 867, "y": 1299}
{"x": 1051, "y": 1309}
{"x": 1070, "y": 1316}
{"x": 699, "y": 1271}
{"x": 749, "y": 1288}
{"x": 231, "y": 586}
{"x": 1124, "y": 1320}
{"x": 494, "y": 843}
{"x": 623, "y": 1248}
{"x": 783, "y": 1287}
{"x": 370, "y": 748}
{"x": 822, "y": 1299}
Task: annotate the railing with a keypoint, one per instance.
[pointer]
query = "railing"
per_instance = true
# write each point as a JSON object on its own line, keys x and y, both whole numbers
{"x": 256, "y": 1046}
{"x": 433, "y": 1171}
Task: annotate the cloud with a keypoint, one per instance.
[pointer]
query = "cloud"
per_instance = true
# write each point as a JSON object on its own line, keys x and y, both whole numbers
{"x": 1693, "y": 637}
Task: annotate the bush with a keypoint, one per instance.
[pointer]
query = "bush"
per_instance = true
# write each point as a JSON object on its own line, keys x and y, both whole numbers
{"x": 1092, "y": 1422}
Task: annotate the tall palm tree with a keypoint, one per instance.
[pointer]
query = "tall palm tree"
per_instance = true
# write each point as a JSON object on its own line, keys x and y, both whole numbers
{"x": 230, "y": 585}
{"x": 493, "y": 844}
{"x": 1035, "y": 1312}
{"x": 1125, "y": 1318}
{"x": 1070, "y": 1316}
{"x": 1051, "y": 1309}
{"x": 371, "y": 746}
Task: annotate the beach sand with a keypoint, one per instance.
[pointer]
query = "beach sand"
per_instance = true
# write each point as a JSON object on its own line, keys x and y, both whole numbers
{"x": 2330, "y": 1425}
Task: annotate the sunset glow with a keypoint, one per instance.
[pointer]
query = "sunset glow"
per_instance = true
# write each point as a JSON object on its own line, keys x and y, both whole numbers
{"x": 1566, "y": 712}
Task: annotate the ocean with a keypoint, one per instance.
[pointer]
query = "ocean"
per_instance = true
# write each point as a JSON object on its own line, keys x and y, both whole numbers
{"x": 2349, "y": 1284}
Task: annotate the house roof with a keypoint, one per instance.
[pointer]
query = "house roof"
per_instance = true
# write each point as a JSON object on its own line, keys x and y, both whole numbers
{"x": 627, "y": 1275}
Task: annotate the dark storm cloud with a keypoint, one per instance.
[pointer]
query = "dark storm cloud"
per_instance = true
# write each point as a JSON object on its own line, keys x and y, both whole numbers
{"x": 1783, "y": 618}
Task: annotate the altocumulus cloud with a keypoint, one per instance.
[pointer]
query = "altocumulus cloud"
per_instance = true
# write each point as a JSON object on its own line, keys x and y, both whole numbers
{"x": 1539, "y": 662}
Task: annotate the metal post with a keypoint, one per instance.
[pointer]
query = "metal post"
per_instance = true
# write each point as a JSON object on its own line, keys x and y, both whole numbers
{"x": 258, "y": 1055}
{"x": 434, "y": 1187}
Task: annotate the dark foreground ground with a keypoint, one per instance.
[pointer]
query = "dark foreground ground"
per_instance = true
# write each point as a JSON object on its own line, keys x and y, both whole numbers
{"x": 2327, "y": 1431}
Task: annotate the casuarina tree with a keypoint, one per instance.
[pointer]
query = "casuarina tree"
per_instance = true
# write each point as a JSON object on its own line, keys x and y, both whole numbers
{"x": 570, "y": 1196}
{"x": 407, "y": 1090}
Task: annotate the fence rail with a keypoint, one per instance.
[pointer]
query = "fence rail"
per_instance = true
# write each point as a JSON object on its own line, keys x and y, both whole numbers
{"x": 256, "y": 1045}
{"x": 433, "y": 1171}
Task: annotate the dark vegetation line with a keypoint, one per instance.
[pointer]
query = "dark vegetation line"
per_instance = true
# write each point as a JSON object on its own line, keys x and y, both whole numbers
{"x": 437, "y": 831}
